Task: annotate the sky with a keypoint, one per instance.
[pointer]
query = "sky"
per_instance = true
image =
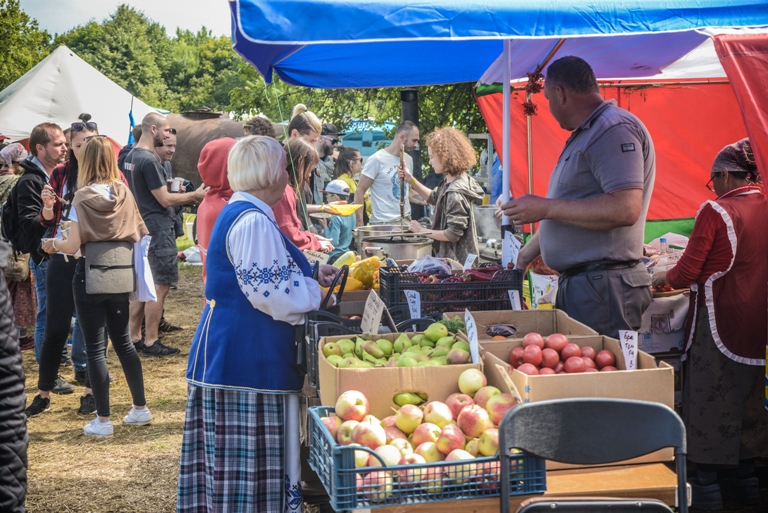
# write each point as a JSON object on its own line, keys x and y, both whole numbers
{"x": 58, "y": 16}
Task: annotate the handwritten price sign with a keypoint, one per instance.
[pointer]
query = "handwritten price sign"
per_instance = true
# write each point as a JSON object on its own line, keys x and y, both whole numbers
{"x": 474, "y": 348}
{"x": 628, "y": 341}
{"x": 374, "y": 307}
{"x": 414, "y": 303}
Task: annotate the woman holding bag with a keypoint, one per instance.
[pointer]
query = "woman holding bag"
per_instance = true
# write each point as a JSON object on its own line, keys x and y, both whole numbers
{"x": 105, "y": 221}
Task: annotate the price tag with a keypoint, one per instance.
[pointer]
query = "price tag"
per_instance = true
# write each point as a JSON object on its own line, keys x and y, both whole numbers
{"x": 414, "y": 303}
{"x": 510, "y": 248}
{"x": 508, "y": 380}
{"x": 474, "y": 349}
{"x": 628, "y": 341}
{"x": 316, "y": 256}
{"x": 514, "y": 299}
{"x": 469, "y": 261}
{"x": 374, "y": 307}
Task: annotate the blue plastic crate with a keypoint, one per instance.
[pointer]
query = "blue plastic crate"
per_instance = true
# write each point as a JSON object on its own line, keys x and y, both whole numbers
{"x": 374, "y": 487}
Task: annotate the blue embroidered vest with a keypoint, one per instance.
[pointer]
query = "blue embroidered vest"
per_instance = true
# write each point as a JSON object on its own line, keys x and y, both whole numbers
{"x": 237, "y": 346}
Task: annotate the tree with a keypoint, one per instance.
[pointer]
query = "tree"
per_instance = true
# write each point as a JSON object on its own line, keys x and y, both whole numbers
{"x": 24, "y": 44}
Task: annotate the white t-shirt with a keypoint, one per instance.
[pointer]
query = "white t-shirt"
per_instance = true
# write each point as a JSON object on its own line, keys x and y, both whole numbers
{"x": 381, "y": 167}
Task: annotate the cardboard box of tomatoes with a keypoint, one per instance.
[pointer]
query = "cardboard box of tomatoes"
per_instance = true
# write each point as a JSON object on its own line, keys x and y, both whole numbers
{"x": 544, "y": 322}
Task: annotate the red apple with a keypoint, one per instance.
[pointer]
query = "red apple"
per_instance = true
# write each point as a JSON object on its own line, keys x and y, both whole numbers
{"x": 344, "y": 434}
{"x": 426, "y": 432}
{"x": 473, "y": 420}
{"x": 408, "y": 418}
{"x": 461, "y": 474}
{"x": 402, "y": 445}
{"x": 438, "y": 413}
{"x": 498, "y": 405}
{"x": 377, "y": 486}
{"x": 391, "y": 456}
{"x": 457, "y": 402}
{"x": 352, "y": 405}
{"x": 411, "y": 477}
{"x": 470, "y": 381}
{"x": 450, "y": 438}
{"x": 332, "y": 424}
{"x": 392, "y": 433}
{"x": 369, "y": 435}
{"x": 388, "y": 421}
{"x": 429, "y": 452}
{"x": 489, "y": 442}
{"x": 482, "y": 395}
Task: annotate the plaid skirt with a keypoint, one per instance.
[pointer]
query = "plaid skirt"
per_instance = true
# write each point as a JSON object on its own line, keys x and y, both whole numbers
{"x": 240, "y": 453}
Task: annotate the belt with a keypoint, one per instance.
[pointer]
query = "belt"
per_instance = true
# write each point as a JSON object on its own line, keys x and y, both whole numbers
{"x": 603, "y": 265}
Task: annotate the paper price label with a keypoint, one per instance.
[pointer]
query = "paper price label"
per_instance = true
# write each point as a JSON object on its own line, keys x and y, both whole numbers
{"x": 316, "y": 256}
{"x": 414, "y": 303}
{"x": 628, "y": 341}
{"x": 510, "y": 248}
{"x": 514, "y": 299}
{"x": 469, "y": 261}
{"x": 374, "y": 307}
{"x": 508, "y": 380}
{"x": 474, "y": 348}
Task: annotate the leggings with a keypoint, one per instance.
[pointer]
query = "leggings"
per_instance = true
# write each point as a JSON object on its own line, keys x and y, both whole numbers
{"x": 95, "y": 311}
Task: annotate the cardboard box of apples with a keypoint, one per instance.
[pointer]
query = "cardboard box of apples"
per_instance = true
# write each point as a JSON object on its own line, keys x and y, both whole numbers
{"x": 522, "y": 322}
{"x": 439, "y": 450}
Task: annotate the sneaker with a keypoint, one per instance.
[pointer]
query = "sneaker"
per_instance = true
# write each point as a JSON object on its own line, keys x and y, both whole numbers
{"x": 159, "y": 349}
{"x": 26, "y": 343}
{"x": 705, "y": 497}
{"x": 80, "y": 376}
{"x": 173, "y": 286}
{"x": 99, "y": 429}
{"x": 139, "y": 345}
{"x": 87, "y": 405}
{"x": 745, "y": 490}
{"x": 61, "y": 387}
{"x": 138, "y": 417}
{"x": 38, "y": 406}
{"x": 167, "y": 327}
{"x": 66, "y": 362}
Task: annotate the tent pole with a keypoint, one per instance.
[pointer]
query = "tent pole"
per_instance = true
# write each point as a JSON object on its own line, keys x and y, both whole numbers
{"x": 528, "y": 96}
{"x": 505, "y": 164}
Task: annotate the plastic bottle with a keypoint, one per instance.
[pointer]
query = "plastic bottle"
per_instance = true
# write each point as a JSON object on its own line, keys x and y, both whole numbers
{"x": 664, "y": 248}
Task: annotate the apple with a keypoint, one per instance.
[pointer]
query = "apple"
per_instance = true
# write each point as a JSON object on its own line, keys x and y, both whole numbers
{"x": 402, "y": 445}
{"x": 332, "y": 424}
{"x": 331, "y": 348}
{"x": 489, "y": 442}
{"x": 470, "y": 381}
{"x": 391, "y": 456}
{"x": 410, "y": 477}
{"x": 361, "y": 457}
{"x": 473, "y": 447}
{"x": 377, "y": 486}
{"x": 498, "y": 405}
{"x": 485, "y": 393}
{"x": 461, "y": 474}
{"x": 369, "y": 435}
{"x": 491, "y": 471}
{"x": 392, "y": 433}
{"x": 389, "y": 421}
{"x": 474, "y": 420}
{"x": 457, "y": 402}
{"x": 450, "y": 439}
{"x": 432, "y": 480}
{"x": 408, "y": 418}
{"x": 352, "y": 405}
{"x": 438, "y": 413}
{"x": 344, "y": 433}
{"x": 426, "y": 432}
{"x": 370, "y": 419}
{"x": 429, "y": 452}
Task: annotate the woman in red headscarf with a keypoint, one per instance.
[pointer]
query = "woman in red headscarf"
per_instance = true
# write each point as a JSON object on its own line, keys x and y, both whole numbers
{"x": 213, "y": 170}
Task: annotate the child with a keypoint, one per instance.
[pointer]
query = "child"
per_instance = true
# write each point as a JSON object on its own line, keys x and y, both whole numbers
{"x": 339, "y": 228}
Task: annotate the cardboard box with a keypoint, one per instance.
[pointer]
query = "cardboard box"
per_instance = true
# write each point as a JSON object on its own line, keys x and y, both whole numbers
{"x": 675, "y": 360}
{"x": 662, "y": 342}
{"x": 544, "y": 322}
{"x": 382, "y": 383}
{"x": 650, "y": 382}
{"x": 540, "y": 285}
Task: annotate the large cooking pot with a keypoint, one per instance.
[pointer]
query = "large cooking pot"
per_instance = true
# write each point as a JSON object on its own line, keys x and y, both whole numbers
{"x": 487, "y": 224}
{"x": 397, "y": 248}
{"x": 364, "y": 232}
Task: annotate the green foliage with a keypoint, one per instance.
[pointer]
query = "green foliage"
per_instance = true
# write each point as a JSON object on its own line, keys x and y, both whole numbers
{"x": 24, "y": 44}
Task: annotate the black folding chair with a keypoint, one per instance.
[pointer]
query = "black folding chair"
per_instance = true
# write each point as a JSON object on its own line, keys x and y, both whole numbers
{"x": 588, "y": 431}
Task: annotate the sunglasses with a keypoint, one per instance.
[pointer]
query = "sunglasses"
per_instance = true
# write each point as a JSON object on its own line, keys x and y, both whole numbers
{"x": 98, "y": 136}
{"x": 90, "y": 126}
{"x": 332, "y": 139}
{"x": 172, "y": 131}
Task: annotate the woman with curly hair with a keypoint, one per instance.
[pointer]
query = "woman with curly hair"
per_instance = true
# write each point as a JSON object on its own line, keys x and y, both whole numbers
{"x": 453, "y": 229}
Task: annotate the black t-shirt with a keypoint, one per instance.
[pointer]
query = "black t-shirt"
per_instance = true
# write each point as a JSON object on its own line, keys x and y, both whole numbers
{"x": 145, "y": 176}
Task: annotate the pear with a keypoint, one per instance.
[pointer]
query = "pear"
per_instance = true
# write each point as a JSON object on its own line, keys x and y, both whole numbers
{"x": 359, "y": 347}
{"x": 436, "y": 331}
{"x": 421, "y": 358}
{"x": 406, "y": 361}
{"x": 367, "y": 357}
{"x": 458, "y": 356}
{"x": 391, "y": 362}
{"x": 348, "y": 355}
{"x": 446, "y": 341}
{"x": 349, "y": 363}
{"x": 443, "y": 360}
{"x": 429, "y": 363}
{"x": 402, "y": 343}
{"x": 416, "y": 339}
{"x": 423, "y": 395}
{"x": 373, "y": 349}
{"x": 460, "y": 345}
{"x": 413, "y": 350}
{"x": 425, "y": 342}
{"x": 331, "y": 348}
{"x": 335, "y": 359}
{"x": 427, "y": 350}
{"x": 439, "y": 351}
{"x": 346, "y": 345}
{"x": 385, "y": 346}
{"x": 407, "y": 398}
{"x": 364, "y": 365}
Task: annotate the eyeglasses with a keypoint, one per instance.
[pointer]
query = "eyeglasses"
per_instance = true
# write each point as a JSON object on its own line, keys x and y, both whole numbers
{"x": 89, "y": 125}
{"x": 360, "y": 159}
{"x": 711, "y": 181}
{"x": 332, "y": 139}
{"x": 97, "y": 136}
{"x": 172, "y": 131}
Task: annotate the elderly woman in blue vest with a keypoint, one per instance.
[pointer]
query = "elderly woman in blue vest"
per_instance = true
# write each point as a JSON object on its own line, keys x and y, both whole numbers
{"x": 240, "y": 449}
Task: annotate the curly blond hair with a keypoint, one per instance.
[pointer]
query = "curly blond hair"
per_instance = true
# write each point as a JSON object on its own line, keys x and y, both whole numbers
{"x": 453, "y": 149}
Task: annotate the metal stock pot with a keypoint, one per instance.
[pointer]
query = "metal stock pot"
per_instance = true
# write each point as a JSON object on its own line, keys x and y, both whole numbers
{"x": 396, "y": 247}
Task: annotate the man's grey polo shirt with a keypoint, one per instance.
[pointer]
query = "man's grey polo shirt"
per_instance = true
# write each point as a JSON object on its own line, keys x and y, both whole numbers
{"x": 610, "y": 151}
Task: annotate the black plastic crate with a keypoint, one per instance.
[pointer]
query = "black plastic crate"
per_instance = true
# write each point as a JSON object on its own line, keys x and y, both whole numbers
{"x": 373, "y": 487}
{"x": 437, "y": 298}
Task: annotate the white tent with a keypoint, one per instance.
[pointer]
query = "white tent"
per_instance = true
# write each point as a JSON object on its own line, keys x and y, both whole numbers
{"x": 61, "y": 87}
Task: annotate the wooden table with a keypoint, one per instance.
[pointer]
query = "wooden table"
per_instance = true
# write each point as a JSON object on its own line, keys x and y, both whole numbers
{"x": 646, "y": 481}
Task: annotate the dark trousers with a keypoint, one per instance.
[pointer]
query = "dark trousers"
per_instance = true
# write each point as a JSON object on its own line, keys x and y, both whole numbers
{"x": 95, "y": 311}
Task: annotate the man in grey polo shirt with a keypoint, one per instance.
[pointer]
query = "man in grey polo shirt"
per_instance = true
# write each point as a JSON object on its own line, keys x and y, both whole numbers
{"x": 593, "y": 218}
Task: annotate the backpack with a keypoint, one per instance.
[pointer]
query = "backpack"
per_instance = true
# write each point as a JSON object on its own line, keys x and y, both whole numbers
{"x": 9, "y": 220}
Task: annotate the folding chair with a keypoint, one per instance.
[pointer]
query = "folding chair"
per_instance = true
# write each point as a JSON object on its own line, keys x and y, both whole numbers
{"x": 589, "y": 431}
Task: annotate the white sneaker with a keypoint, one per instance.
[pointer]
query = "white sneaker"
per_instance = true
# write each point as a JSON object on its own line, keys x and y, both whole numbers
{"x": 99, "y": 429}
{"x": 138, "y": 417}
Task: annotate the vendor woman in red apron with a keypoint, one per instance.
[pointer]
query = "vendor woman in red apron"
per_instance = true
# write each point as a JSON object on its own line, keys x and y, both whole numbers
{"x": 725, "y": 265}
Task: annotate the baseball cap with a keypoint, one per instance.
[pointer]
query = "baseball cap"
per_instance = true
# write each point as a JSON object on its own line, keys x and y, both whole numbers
{"x": 336, "y": 187}
{"x": 330, "y": 129}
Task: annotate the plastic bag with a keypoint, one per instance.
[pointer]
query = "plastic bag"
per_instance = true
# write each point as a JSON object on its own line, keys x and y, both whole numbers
{"x": 429, "y": 264}
{"x": 144, "y": 285}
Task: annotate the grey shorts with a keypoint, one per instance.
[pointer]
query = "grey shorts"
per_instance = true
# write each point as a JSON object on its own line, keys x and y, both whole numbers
{"x": 162, "y": 256}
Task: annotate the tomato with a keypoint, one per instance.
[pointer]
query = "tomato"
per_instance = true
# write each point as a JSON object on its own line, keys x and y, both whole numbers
{"x": 588, "y": 352}
{"x": 556, "y": 341}
{"x": 591, "y": 369}
{"x": 550, "y": 358}
{"x": 516, "y": 357}
{"x": 559, "y": 367}
{"x": 529, "y": 369}
{"x": 532, "y": 355}
{"x": 605, "y": 358}
{"x": 608, "y": 368}
{"x": 546, "y": 370}
{"x": 574, "y": 365}
{"x": 570, "y": 350}
{"x": 533, "y": 339}
{"x": 589, "y": 362}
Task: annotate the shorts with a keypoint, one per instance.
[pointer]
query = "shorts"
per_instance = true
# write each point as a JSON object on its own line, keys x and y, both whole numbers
{"x": 162, "y": 256}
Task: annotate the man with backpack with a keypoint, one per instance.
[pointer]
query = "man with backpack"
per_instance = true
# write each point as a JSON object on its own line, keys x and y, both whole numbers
{"x": 22, "y": 219}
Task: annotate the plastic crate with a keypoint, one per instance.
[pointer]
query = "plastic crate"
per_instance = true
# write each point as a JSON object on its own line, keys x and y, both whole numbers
{"x": 374, "y": 487}
{"x": 437, "y": 298}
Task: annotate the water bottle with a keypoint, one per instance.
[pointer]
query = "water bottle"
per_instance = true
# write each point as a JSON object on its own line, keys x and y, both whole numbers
{"x": 664, "y": 248}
